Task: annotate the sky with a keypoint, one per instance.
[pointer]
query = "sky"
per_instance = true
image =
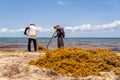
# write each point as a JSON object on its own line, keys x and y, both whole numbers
{"x": 79, "y": 18}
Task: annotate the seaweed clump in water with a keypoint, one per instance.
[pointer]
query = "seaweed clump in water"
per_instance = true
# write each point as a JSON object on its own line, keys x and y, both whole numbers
{"x": 79, "y": 62}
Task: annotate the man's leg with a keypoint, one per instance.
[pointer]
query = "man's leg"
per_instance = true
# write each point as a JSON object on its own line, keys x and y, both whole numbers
{"x": 60, "y": 42}
{"x": 29, "y": 44}
{"x": 35, "y": 44}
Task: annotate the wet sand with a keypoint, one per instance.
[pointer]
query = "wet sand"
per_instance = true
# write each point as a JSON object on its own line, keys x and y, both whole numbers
{"x": 87, "y": 46}
{"x": 12, "y": 47}
{"x": 83, "y": 46}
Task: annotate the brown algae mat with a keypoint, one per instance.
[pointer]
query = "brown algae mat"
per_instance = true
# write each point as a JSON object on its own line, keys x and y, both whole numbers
{"x": 79, "y": 62}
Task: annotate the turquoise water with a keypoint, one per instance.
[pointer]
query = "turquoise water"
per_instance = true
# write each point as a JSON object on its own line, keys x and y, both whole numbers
{"x": 22, "y": 42}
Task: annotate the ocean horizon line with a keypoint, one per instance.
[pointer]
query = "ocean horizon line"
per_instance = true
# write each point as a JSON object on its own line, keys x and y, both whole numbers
{"x": 71, "y": 37}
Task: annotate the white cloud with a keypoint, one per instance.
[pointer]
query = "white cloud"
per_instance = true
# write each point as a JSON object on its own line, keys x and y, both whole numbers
{"x": 6, "y": 30}
{"x": 88, "y": 27}
{"x": 44, "y": 29}
{"x": 61, "y": 3}
{"x": 40, "y": 29}
{"x": 115, "y": 25}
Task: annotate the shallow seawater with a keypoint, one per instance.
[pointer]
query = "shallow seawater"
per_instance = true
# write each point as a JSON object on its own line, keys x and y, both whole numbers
{"x": 21, "y": 43}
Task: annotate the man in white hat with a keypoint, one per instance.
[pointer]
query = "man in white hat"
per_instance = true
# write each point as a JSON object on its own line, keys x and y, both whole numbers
{"x": 31, "y": 31}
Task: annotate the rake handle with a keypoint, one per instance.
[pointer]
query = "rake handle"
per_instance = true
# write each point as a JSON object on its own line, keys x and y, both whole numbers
{"x": 51, "y": 39}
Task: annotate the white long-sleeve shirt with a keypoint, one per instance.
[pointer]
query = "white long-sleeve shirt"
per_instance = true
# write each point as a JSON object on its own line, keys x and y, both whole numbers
{"x": 32, "y": 31}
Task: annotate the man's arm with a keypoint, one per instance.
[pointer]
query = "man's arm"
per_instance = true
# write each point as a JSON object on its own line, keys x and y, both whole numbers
{"x": 56, "y": 34}
{"x": 25, "y": 32}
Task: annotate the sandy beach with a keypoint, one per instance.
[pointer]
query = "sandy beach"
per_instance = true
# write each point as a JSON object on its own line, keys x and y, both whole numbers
{"x": 14, "y": 66}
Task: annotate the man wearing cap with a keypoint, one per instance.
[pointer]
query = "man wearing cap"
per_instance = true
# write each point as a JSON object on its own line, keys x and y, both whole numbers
{"x": 31, "y": 31}
{"x": 60, "y": 35}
